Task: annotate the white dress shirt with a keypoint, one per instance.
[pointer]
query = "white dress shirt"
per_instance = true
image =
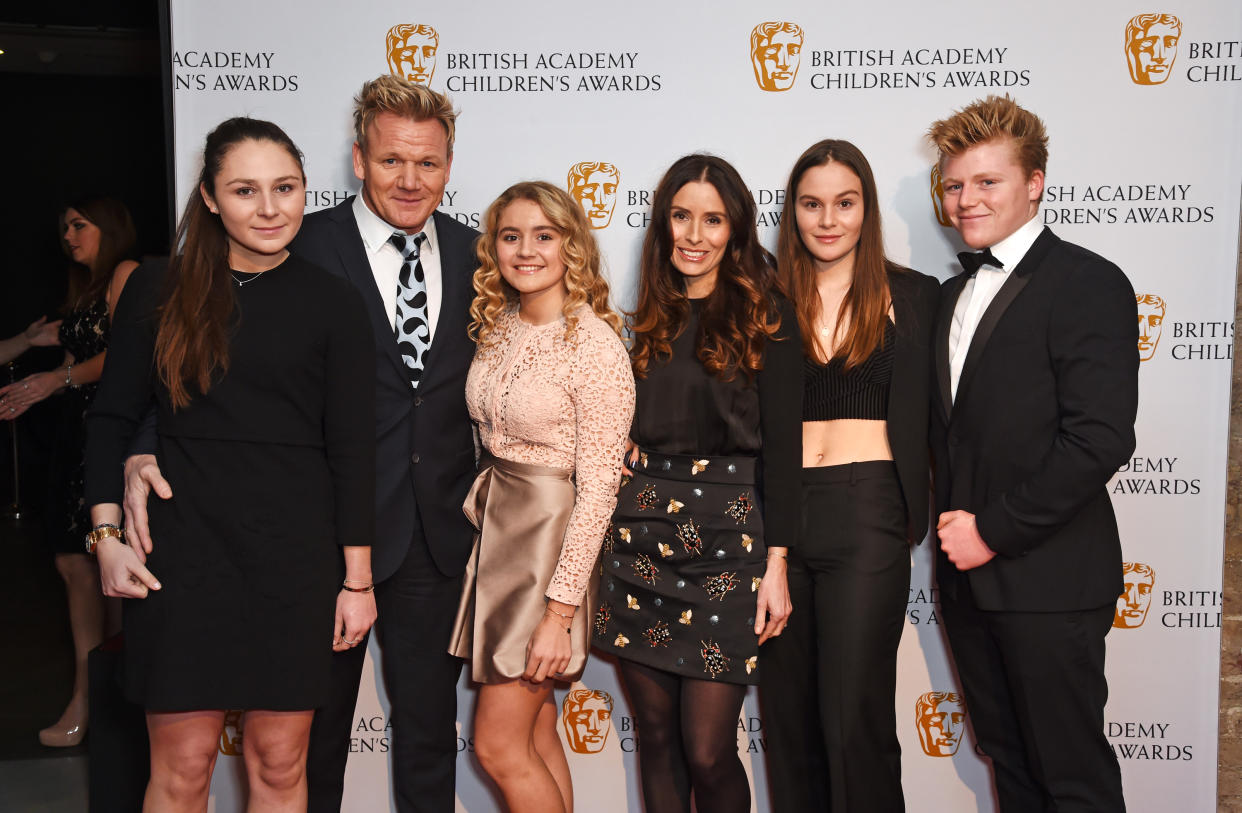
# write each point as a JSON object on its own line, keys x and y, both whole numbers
{"x": 981, "y": 289}
{"x": 386, "y": 259}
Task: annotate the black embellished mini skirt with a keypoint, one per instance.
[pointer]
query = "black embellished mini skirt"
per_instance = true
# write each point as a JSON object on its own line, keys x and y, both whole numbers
{"x": 682, "y": 561}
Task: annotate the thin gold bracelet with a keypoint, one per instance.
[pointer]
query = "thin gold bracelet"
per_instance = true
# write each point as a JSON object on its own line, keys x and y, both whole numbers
{"x": 369, "y": 588}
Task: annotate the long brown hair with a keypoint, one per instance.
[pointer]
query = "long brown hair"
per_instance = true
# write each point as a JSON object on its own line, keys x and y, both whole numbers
{"x": 868, "y": 298}
{"x": 738, "y": 316}
{"x": 192, "y": 342}
{"x": 117, "y": 240}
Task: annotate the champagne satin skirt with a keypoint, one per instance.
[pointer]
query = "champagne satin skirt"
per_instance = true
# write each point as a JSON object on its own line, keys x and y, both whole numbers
{"x": 519, "y": 511}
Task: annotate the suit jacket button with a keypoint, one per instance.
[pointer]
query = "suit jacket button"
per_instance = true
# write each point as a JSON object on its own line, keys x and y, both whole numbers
{"x": 418, "y": 400}
{"x": 414, "y": 457}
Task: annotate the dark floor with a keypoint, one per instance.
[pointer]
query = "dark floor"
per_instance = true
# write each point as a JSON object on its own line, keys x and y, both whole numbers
{"x": 36, "y": 679}
{"x": 36, "y": 683}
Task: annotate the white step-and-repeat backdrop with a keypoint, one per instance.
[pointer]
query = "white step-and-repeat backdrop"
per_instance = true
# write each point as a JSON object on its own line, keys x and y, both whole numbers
{"x": 1143, "y": 106}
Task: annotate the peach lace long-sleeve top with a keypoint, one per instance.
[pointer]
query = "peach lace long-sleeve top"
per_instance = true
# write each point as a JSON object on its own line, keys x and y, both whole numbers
{"x": 543, "y": 399}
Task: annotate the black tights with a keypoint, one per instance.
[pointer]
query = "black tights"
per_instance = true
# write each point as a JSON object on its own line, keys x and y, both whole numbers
{"x": 687, "y": 739}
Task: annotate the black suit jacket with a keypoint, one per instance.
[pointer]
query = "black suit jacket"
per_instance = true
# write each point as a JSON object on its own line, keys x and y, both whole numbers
{"x": 915, "y": 297}
{"x": 1044, "y": 417}
{"x": 425, "y": 445}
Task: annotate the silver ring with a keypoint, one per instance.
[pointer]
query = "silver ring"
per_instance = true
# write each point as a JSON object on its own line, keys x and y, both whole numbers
{"x": 351, "y": 643}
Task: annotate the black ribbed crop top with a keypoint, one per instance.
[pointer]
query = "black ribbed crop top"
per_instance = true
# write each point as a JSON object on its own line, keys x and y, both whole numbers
{"x": 830, "y": 393}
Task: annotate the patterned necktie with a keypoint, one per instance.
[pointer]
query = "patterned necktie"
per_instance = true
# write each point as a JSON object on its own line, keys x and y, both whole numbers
{"x": 413, "y": 330}
{"x": 972, "y": 261}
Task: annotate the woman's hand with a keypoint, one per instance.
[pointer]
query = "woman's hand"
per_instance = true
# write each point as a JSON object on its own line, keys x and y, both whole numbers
{"x": 355, "y": 613}
{"x": 19, "y": 396}
{"x": 773, "y": 605}
{"x": 629, "y": 458}
{"x": 43, "y": 333}
{"x": 547, "y": 654}
{"x": 121, "y": 573}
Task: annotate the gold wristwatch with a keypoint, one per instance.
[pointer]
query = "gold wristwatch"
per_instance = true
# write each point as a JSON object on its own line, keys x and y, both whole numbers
{"x": 101, "y": 532}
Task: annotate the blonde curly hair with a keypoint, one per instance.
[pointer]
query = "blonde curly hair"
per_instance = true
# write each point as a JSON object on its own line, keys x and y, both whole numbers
{"x": 583, "y": 277}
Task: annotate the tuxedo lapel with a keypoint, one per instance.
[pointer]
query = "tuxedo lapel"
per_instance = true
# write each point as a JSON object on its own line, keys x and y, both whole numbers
{"x": 352, "y": 254}
{"x": 1005, "y": 297}
{"x": 944, "y": 323}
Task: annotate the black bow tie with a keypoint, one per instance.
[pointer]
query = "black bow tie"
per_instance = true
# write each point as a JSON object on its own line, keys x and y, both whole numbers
{"x": 973, "y": 260}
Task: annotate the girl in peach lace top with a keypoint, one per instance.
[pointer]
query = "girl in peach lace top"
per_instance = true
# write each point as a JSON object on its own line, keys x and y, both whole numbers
{"x": 553, "y": 394}
{"x": 562, "y": 397}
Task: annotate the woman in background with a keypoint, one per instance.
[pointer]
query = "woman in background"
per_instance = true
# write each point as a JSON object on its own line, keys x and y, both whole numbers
{"x": 99, "y": 236}
{"x": 866, "y": 327}
{"x": 552, "y": 392}
{"x": 256, "y": 360}
{"x": 694, "y": 564}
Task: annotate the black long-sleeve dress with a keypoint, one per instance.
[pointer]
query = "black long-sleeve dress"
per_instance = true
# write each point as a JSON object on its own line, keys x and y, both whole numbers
{"x": 270, "y": 470}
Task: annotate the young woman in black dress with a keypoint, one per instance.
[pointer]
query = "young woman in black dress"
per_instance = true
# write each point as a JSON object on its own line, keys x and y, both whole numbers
{"x": 266, "y": 423}
{"x": 866, "y": 330}
{"x": 694, "y": 561}
{"x": 99, "y": 237}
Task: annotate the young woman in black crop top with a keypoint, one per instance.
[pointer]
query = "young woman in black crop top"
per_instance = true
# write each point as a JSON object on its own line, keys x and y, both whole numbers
{"x": 694, "y": 561}
{"x": 866, "y": 334}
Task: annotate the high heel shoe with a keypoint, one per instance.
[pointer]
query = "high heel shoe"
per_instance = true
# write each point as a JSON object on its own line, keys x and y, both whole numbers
{"x": 60, "y": 736}
{"x": 69, "y": 730}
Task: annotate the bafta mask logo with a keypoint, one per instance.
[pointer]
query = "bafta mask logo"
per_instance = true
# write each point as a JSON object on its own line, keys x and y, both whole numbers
{"x": 1138, "y": 580}
{"x": 940, "y": 718}
{"x": 1150, "y": 321}
{"x": 775, "y": 50}
{"x": 1151, "y": 47}
{"x": 937, "y": 196}
{"x": 587, "y": 717}
{"x": 231, "y": 736}
{"x": 594, "y": 184}
{"x": 412, "y": 51}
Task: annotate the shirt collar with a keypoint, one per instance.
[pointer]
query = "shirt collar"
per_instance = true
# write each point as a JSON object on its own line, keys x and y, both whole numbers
{"x": 375, "y": 231}
{"x": 1013, "y": 248}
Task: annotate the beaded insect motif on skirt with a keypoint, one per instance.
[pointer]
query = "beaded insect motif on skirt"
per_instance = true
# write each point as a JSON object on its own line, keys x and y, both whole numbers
{"x": 602, "y": 618}
{"x": 688, "y": 535}
{"x": 718, "y": 586}
{"x": 645, "y": 569}
{"x": 739, "y": 510}
{"x": 658, "y": 634}
{"x": 714, "y": 661}
{"x": 646, "y": 499}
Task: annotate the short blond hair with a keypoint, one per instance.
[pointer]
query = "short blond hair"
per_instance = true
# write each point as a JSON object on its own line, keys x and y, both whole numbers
{"x": 393, "y": 94}
{"x": 984, "y": 120}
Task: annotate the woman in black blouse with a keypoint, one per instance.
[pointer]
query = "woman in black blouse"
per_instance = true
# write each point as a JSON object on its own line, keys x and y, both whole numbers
{"x": 866, "y": 331}
{"x": 266, "y": 435}
{"x": 694, "y": 561}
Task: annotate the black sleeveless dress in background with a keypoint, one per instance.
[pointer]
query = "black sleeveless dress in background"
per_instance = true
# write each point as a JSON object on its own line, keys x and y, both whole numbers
{"x": 84, "y": 335}
{"x": 271, "y": 470}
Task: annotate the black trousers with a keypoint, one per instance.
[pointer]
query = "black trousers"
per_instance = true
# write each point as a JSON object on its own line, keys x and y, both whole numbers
{"x": 827, "y": 683}
{"x": 1035, "y": 691}
{"x": 416, "y": 607}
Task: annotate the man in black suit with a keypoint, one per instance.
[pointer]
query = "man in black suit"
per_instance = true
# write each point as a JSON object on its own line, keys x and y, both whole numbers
{"x": 1033, "y": 412}
{"x": 413, "y": 266}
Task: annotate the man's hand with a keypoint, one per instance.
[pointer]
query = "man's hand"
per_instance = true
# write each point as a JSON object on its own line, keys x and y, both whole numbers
{"x": 142, "y": 476}
{"x": 960, "y": 540}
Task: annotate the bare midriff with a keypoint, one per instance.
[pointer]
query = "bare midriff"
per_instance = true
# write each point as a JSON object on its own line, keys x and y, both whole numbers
{"x": 832, "y": 443}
